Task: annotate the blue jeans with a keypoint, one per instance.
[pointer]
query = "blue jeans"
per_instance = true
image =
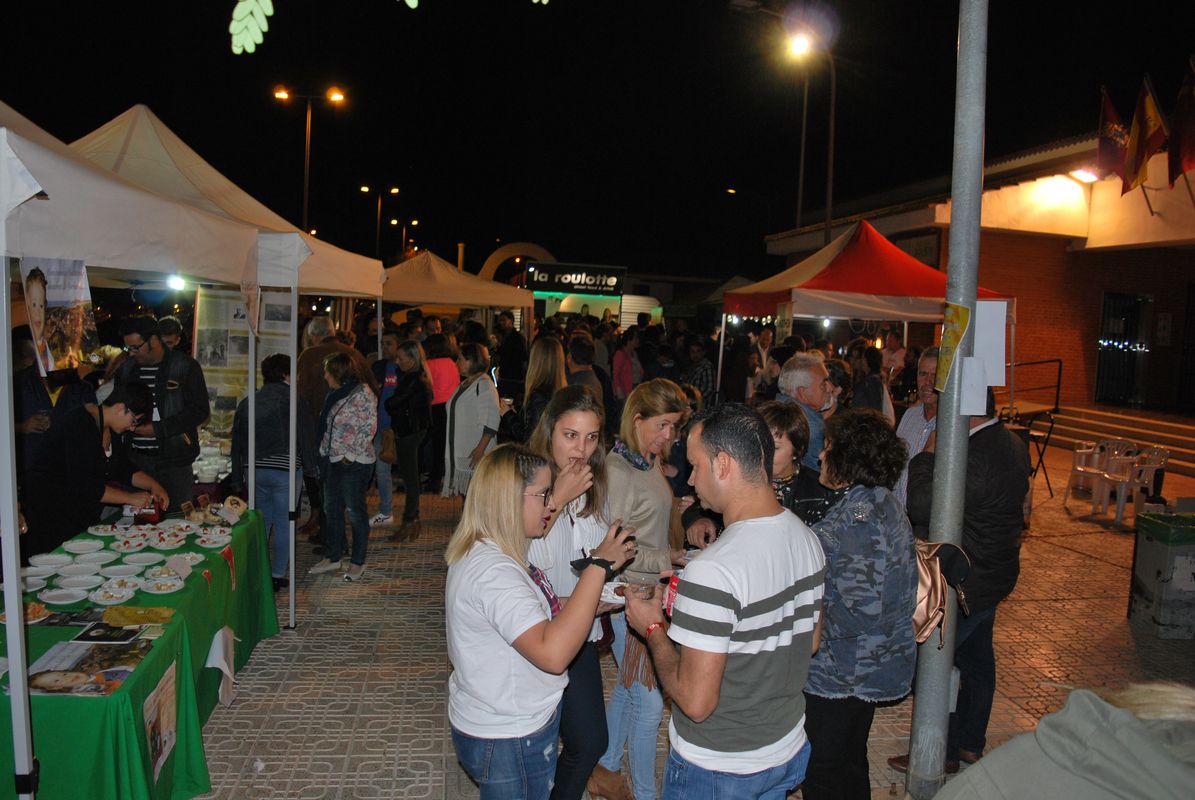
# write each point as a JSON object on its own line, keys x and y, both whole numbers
{"x": 686, "y": 781}
{"x": 344, "y": 490}
{"x": 273, "y": 501}
{"x": 633, "y": 720}
{"x": 382, "y": 470}
{"x": 511, "y": 769}
{"x": 976, "y": 661}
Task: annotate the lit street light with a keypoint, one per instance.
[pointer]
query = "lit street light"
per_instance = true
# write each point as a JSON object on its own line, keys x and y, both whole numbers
{"x": 377, "y": 241}
{"x": 800, "y": 46}
{"x": 334, "y": 96}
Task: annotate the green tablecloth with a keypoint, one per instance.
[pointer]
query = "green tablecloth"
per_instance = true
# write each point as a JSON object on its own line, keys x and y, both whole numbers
{"x": 96, "y": 747}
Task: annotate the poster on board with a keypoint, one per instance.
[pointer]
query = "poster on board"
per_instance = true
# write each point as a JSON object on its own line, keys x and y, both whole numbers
{"x": 58, "y": 305}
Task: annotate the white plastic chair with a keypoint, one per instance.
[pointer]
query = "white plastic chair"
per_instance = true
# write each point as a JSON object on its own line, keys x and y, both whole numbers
{"x": 1128, "y": 475}
{"x": 1089, "y": 461}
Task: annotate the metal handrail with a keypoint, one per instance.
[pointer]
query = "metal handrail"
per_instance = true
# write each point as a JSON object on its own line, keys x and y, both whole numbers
{"x": 1057, "y": 386}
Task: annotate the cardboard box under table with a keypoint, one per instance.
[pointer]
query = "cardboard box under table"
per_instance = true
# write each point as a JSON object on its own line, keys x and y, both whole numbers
{"x": 100, "y": 747}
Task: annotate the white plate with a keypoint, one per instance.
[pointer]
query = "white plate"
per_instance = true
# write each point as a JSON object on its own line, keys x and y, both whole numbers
{"x": 78, "y": 569}
{"x": 167, "y": 544}
{"x": 106, "y": 530}
{"x": 123, "y": 583}
{"x": 144, "y": 527}
{"x": 122, "y": 570}
{"x": 163, "y": 586}
{"x": 110, "y": 597}
{"x": 212, "y": 542}
{"x": 61, "y": 597}
{"x": 161, "y": 573}
{"x": 144, "y": 559}
{"x": 83, "y": 545}
{"x": 179, "y": 526}
{"x": 80, "y": 582}
{"x": 128, "y": 545}
{"x": 191, "y": 558}
{"x": 50, "y": 560}
{"x": 38, "y": 572}
{"x": 30, "y": 585}
{"x": 218, "y": 530}
{"x": 608, "y": 595}
{"x": 98, "y": 557}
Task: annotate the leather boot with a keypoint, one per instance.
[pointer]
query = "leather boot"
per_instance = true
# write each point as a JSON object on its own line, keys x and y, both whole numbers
{"x": 606, "y": 785}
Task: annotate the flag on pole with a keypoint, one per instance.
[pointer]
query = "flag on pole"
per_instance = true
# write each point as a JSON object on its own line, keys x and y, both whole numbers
{"x": 1146, "y": 137}
{"x": 1182, "y": 128}
{"x": 1113, "y": 138}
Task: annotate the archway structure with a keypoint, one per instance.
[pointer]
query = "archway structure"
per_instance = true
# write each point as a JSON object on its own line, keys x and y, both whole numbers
{"x": 490, "y": 267}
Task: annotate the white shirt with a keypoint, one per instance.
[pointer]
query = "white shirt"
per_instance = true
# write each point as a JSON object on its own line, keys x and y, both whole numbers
{"x": 494, "y": 692}
{"x": 563, "y": 544}
{"x": 914, "y": 430}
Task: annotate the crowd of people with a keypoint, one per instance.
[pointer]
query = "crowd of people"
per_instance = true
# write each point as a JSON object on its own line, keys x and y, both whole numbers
{"x": 788, "y": 515}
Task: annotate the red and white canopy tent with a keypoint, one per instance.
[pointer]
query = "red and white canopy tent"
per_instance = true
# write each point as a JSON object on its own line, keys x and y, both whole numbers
{"x": 859, "y": 275}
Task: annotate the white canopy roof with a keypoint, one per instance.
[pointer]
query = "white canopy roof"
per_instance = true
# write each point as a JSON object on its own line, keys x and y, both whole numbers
{"x": 138, "y": 146}
{"x": 57, "y": 204}
{"x": 427, "y": 278}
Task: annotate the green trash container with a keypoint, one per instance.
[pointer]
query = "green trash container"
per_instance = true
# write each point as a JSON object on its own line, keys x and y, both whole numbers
{"x": 1163, "y": 589}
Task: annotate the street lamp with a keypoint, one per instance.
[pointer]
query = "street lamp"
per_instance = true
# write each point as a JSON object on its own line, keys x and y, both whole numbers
{"x": 334, "y": 96}
{"x": 414, "y": 224}
{"x": 377, "y": 241}
{"x": 800, "y": 46}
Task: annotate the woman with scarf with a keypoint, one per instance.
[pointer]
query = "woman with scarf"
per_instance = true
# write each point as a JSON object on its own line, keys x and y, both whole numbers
{"x": 347, "y": 425}
{"x": 641, "y": 497}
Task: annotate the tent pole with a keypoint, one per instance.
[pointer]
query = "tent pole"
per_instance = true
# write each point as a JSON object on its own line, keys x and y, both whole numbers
{"x": 1012, "y": 364}
{"x": 14, "y": 627}
{"x": 721, "y": 352}
{"x": 251, "y": 462}
{"x": 379, "y": 326}
{"x": 905, "y": 343}
{"x": 292, "y": 448}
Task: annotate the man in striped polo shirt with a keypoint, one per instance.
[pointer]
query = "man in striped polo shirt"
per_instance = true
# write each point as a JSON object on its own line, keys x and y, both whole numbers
{"x": 745, "y": 622}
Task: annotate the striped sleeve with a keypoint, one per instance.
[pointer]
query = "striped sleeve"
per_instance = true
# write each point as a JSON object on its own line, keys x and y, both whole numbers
{"x": 705, "y": 612}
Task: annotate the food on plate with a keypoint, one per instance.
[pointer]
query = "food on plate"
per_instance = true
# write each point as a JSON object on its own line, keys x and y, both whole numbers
{"x": 33, "y": 613}
{"x": 161, "y": 572}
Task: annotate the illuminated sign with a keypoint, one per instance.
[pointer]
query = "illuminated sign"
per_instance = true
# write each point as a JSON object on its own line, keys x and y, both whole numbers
{"x": 576, "y": 278}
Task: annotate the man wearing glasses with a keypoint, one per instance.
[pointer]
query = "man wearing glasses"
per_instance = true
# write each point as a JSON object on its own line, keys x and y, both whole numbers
{"x": 167, "y": 443}
{"x": 804, "y": 378}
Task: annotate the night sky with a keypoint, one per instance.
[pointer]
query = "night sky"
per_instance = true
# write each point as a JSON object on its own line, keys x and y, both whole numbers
{"x": 608, "y": 132}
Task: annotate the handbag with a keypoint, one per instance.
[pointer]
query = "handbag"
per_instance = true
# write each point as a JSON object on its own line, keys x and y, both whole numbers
{"x": 939, "y": 565}
{"x": 389, "y": 452}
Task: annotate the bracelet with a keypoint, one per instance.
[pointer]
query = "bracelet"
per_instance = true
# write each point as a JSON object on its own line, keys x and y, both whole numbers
{"x": 582, "y": 563}
{"x": 652, "y": 629}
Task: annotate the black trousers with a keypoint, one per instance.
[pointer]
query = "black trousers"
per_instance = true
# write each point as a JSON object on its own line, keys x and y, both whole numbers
{"x": 582, "y": 725}
{"x": 837, "y": 731}
{"x": 436, "y": 437}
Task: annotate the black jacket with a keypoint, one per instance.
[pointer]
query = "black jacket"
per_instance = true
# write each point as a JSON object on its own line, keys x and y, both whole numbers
{"x": 993, "y": 511}
{"x": 273, "y": 431}
{"x": 181, "y": 396}
{"x": 410, "y": 407}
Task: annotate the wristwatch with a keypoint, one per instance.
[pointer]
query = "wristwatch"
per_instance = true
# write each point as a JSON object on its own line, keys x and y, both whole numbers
{"x": 581, "y": 563}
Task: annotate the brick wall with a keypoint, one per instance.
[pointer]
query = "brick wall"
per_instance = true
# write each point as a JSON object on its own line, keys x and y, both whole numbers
{"x": 1060, "y": 300}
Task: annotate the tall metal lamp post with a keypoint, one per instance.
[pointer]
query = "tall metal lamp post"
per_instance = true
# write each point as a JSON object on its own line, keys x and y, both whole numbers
{"x": 800, "y": 46}
{"x": 377, "y": 237}
{"x": 334, "y": 96}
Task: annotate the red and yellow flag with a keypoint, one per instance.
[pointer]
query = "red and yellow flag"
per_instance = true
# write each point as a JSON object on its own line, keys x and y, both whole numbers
{"x": 1146, "y": 137}
{"x": 1113, "y": 138}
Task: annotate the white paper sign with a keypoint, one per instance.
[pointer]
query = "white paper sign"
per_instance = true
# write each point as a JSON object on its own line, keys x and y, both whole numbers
{"x": 989, "y": 339}
{"x": 974, "y": 399}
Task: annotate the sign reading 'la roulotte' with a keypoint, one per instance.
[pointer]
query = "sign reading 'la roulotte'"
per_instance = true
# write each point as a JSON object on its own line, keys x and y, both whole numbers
{"x": 575, "y": 278}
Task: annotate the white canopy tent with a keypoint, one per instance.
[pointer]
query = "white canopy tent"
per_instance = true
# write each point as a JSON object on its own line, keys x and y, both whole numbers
{"x": 138, "y": 146}
{"x": 56, "y": 204}
{"x": 427, "y": 278}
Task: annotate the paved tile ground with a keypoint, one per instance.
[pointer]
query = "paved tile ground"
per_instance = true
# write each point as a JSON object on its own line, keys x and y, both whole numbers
{"x": 351, "y": 703}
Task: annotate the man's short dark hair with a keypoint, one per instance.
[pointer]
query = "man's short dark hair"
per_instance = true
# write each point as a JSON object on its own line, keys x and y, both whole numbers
{"x": 643, "y": 319}
{"x": 874, "y": 360}
{"x": 135, "y": 396}
{"x": 170, "y": 325}
{"x": 275, "y": 368}
{"x": 144, "y": 326}
{"x": 741, "y": 433}
{"x": 507, "y": 314}
{"x": 580, "y": 350}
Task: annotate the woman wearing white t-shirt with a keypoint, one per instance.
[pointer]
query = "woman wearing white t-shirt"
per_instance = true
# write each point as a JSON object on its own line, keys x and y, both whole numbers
{"x": 569, "y": 436}
{"x": 509, "y": 637}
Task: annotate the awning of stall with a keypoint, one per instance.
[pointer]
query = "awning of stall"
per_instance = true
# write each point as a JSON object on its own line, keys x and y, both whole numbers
{"x": 859, "y": 275}
{"x": 427, "y": 278}
{"x": 57, "y": 204}
{"x": 139, "y": 147}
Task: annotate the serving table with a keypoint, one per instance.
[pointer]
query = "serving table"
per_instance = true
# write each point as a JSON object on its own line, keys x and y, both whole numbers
{"x": 100, "y": 746}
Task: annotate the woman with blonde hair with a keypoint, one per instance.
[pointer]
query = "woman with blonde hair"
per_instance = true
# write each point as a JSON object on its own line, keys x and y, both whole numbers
{"x": 545, "y": 374}
{"x": 640, "y": 495}
{"x": 569, "y": 438}
{"x": 509, "y": 637}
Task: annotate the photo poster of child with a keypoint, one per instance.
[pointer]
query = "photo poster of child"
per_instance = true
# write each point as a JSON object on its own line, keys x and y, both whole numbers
{"x": 160, "y": 712}
{"x": 58, "y": 306}
{"x": 76, "y": 668}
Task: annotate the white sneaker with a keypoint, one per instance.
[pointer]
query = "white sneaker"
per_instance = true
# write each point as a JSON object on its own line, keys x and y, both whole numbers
{"x": 381, "y": 519}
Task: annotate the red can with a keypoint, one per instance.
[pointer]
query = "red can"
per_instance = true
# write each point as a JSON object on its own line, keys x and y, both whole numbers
{"x": 670, "y": 592}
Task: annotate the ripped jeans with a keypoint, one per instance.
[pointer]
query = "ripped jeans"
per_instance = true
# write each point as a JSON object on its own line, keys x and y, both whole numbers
{"x": 511, "y": 769}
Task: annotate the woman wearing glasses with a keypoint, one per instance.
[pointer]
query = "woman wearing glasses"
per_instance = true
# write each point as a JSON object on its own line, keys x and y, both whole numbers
{"x": 510, "y": 639}
{"x": 73, "y": 476}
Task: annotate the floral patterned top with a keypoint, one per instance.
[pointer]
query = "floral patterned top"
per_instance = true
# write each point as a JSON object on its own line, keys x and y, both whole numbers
{"x": 352, "y": 423}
